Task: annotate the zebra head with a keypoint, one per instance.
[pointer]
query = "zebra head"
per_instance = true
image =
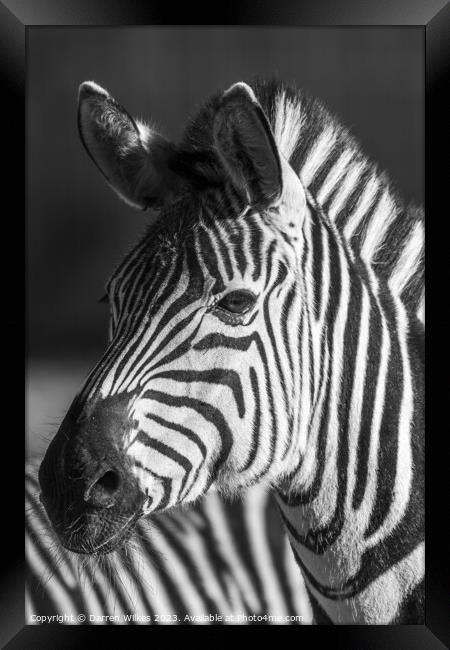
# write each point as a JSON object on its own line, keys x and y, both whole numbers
{"x": 198, "y": 388}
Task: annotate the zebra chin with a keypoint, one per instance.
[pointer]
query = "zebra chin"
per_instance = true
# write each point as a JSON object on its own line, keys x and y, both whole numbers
{"x": 96, "y": 535}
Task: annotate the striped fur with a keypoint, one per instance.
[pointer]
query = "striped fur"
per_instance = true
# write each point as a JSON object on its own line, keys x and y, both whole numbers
{"x": 316, "y": 390}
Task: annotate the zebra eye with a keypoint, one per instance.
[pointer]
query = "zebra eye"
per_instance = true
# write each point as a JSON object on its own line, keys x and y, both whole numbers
{"x": 237, "y": 302}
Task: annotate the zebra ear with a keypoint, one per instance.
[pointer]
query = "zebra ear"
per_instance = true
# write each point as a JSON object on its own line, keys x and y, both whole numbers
{"x": 132, "y": 158}
{"x": 246, "y": 145}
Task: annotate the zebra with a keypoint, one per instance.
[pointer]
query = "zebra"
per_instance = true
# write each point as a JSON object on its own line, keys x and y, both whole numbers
{"x": 217, "y": 562}
{"x": 266, "y": 330}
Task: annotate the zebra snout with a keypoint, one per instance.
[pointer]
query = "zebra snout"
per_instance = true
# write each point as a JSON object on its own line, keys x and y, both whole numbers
{"x": 89, "y": 494}
{"x": 87, "y": 485}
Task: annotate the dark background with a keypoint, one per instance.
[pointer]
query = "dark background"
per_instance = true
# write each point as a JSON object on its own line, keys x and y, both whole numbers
{"x": 77, "y": 228}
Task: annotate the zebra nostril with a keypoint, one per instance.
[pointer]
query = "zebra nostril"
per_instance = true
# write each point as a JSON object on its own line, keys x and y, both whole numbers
{"x": 104, "y": 490}
{"x": 110, "y": 481}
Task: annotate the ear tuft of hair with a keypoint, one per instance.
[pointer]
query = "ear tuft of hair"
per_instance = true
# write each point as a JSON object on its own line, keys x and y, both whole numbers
{"x": 131, "y": 156}
{"x": 90, "y": 88}
{"x": 246, "y": 145}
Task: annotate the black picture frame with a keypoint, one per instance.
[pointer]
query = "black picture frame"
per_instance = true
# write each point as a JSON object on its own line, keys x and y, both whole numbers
{"x": 16, "y": 17}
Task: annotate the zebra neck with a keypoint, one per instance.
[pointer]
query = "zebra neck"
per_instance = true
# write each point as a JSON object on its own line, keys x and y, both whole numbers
{"x": 353, "y": 508}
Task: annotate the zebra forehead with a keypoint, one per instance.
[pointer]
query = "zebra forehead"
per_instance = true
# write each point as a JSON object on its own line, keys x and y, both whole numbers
{"x": 180, "y": 224}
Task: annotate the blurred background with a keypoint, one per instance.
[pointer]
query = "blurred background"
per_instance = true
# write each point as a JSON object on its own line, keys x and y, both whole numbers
{"x": 77, "y": 228}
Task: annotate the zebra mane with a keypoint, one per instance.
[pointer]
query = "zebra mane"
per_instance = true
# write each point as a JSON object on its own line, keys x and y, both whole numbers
{"x": 340, "y": 179}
